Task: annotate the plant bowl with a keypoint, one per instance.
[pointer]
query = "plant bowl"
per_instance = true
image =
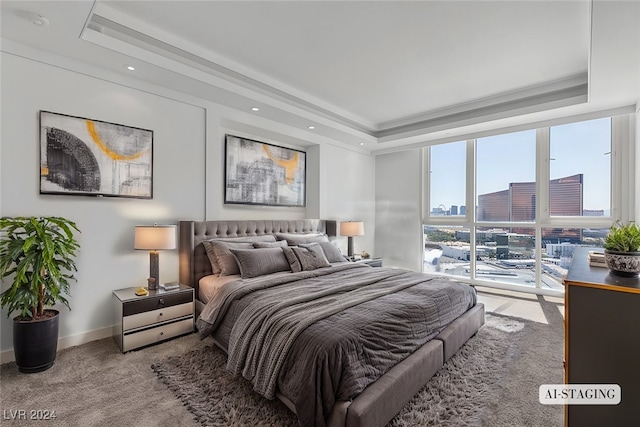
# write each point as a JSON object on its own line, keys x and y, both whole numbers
{"x": 625, "y": 264}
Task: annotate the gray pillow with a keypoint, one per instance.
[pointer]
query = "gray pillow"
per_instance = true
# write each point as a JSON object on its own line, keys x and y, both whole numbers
{"x": 226, "y": 261}
{"x": 298, "y": 239}
{"x": 294, "y": 262}
{"x": 311, "y": 257}
{"x": 278, "y": 244}
{"x": 331, "y": 252}
{"x": 208, "y": 247}
{"x": 258, "y": 262}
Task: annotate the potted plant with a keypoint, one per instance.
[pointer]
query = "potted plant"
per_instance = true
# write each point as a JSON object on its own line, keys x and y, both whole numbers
{"x": 39, "y": 255}
{"x": 622, "y": 249}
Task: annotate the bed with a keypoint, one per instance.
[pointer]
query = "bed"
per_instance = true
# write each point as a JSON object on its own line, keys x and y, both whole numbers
{"x": 364, "y": 369}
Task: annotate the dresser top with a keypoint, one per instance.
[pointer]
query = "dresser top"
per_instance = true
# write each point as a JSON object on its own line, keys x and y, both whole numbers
{"x": 582, "y": 274}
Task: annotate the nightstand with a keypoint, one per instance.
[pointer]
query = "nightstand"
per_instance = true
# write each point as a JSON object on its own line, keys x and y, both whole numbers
{"x": 149, "y": 319}
{"x": 373, "y": 262}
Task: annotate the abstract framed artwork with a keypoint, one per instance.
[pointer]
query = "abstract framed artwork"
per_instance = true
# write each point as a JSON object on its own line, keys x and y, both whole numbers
{"x": 257, "y": 173}
{"x": 80, "y": 156}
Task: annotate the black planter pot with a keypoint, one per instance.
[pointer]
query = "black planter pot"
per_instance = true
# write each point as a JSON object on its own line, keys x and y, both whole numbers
{"x": 35, "y": 343}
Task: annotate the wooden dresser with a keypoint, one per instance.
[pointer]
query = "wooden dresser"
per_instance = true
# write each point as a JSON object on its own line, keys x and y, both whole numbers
{"x": 602, "y": 341}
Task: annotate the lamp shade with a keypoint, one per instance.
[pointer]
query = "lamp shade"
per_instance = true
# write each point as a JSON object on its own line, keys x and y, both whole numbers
{"x": 154, "y": 237}
{"x": 352, "y": 228}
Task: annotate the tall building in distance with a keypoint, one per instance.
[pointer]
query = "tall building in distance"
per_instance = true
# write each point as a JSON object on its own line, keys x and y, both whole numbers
{"x": 454, "y": 210}
{"x": 565, "y": 196}
{"x": 493, "y": 206}
{"x": 518, "y": 203}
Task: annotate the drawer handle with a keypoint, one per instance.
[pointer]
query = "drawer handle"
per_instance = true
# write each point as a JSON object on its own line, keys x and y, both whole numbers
{"x": 161, "y": 301}
{"x": 160, "y": 314}
{"x": 161, "y": 333}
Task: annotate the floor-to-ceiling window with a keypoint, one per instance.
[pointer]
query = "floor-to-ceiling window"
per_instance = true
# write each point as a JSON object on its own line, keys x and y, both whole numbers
{"x": 508, "y": 210}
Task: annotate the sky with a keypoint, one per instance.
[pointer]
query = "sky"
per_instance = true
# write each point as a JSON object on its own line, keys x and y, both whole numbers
{"x": 582, "y": 147}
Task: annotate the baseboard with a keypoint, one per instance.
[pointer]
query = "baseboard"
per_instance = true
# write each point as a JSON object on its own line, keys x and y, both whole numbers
{"x": 7, "y": 356}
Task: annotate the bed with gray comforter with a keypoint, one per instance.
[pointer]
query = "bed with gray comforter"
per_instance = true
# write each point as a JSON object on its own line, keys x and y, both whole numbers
{"x": 324, "y": 335}
{"x": 357, "y": 342}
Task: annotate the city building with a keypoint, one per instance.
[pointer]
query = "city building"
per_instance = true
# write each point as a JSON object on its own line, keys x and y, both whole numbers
{"x": 518, "y": 203}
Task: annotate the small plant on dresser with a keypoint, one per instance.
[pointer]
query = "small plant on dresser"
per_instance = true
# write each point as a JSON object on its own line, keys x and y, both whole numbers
{"x": 622, "y": 249}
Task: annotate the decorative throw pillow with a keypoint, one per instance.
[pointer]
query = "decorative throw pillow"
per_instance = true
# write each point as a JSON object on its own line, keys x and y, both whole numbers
{"x": 208, "y": 247}
{"x": 258, "y": 262}
{"x": 278, "y": 244}
{"x": 298, "y": 239}
{"x": 331, "y": 252}
{"x": 294, "y": 262}
{"x": 226, "y": 261}
{"x": 311, "y": 257}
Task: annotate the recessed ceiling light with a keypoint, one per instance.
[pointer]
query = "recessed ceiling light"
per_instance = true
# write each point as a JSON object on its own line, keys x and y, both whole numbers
{"x": 39, "y": 20}
{"x": 255, "y": 109}
{"x": 362, "y": 143}
{"x": 130, "y": 67}
{"x": 312, "y": 127}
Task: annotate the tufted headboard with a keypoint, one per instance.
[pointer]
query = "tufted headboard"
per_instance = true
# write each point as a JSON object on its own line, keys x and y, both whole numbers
{"x": 194, "y": 263}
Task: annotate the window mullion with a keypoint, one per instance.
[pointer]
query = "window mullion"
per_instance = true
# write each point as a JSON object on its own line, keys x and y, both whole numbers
{"x": 542, "y": 178}
{"x": 543, "y": 159}
{"x": 426, "y": 183}
{"x": 622, "y": 198}
{"x": 471, "y": 201}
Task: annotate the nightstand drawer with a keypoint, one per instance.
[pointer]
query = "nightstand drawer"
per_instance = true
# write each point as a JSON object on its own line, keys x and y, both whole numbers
{"x": 154, "y": 335}
{"x": 152, "y": 303}
{"x": 155, "y": 316}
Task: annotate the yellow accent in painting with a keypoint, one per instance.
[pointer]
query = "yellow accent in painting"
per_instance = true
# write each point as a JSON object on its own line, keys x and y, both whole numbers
{"x": 44, "y": 171}
{"x": 289, "y": 165}
{"x": 105, "y": 149}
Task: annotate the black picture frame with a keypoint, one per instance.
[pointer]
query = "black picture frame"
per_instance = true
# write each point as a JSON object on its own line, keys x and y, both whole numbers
{"x": 87, "y": 157}
{"x": 259, "y": 173}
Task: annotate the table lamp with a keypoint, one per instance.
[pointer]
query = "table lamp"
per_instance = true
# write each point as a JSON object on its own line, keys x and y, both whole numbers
{"x": 350, "y": 229}
{"x": 154, "y": 238}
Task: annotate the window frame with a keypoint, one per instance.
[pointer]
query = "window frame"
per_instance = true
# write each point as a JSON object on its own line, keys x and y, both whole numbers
{"x": 621, "y": 192}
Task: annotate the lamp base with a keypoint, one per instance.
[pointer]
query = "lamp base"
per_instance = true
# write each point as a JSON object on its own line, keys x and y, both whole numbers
{"x": 154, "y": 270}
{"x": 350, "y": 246}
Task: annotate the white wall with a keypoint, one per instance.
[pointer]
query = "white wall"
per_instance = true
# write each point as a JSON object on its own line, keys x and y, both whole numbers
{"x": 107, "y": 260}
{"x": 348, "y": 193}
{"x": 398, "y": 206}
{"x": 188, "y": 179}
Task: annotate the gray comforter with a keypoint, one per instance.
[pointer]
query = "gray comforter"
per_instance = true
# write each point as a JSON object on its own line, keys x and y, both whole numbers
{"x": 324, "y": 335}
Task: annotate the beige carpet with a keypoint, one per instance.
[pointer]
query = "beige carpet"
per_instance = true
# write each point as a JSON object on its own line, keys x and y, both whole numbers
{"x": 95, "y": 385}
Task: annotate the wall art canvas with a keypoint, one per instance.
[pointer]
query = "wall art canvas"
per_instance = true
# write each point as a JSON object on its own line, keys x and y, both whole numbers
{"x": 80, "y": 156}
{"x": 257, "y": 173}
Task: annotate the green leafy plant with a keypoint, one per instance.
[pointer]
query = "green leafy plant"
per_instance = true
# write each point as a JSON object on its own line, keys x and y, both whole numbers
{"x": 40, "y": 254}
{"x": 623, "y": 238}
